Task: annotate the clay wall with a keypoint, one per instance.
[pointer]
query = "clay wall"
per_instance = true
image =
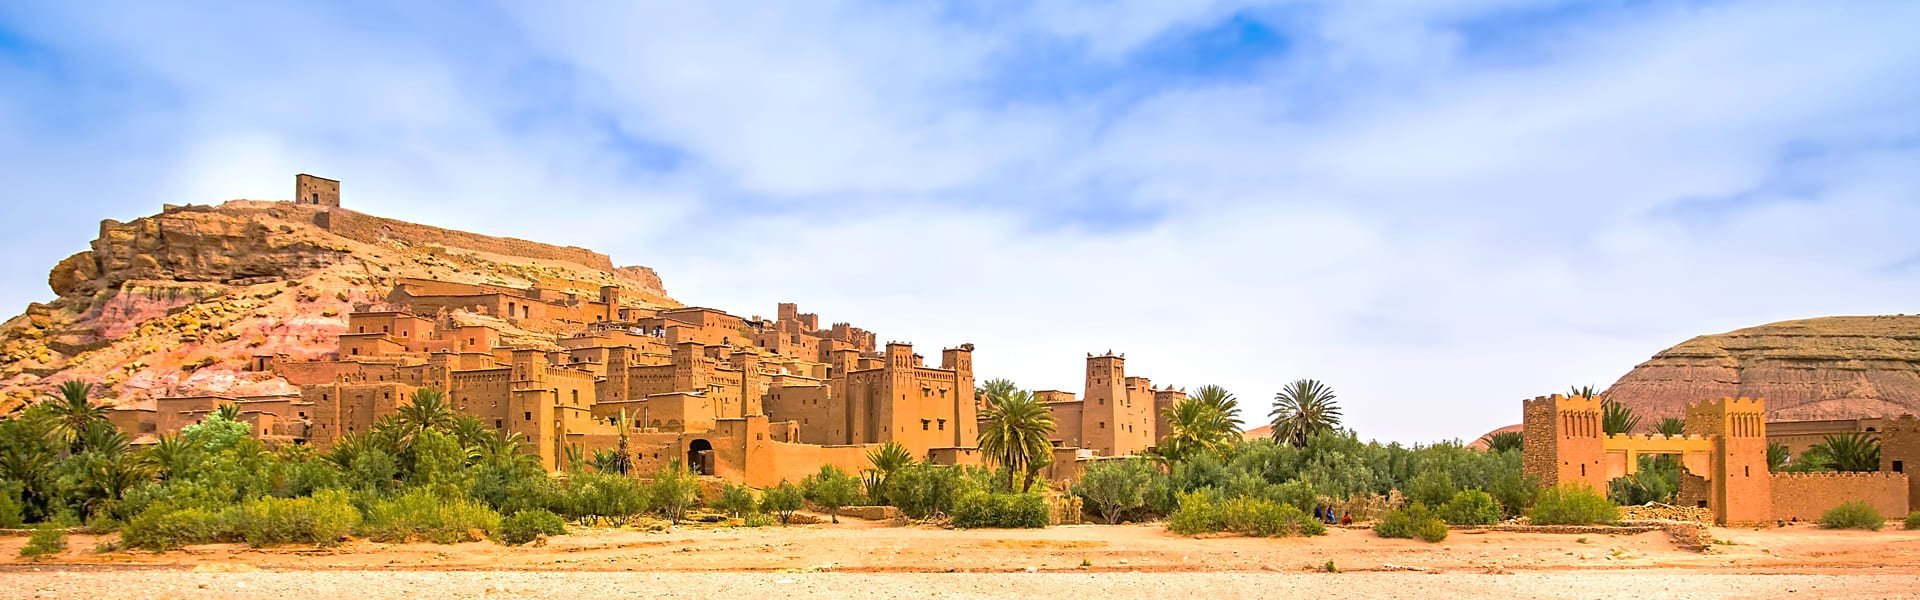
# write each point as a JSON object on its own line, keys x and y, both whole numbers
{"x": 1804, "y": 496}
{"x": 809, "y": 407}
{"x": 370, "y": 229}
{"x": 1562, "y": 442}
{"x": 1900, "y": 452}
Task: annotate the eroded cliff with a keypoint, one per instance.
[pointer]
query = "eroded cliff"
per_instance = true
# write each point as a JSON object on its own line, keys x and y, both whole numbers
{"x": 1824, "y": 368}
{"x": 178, "y": 303}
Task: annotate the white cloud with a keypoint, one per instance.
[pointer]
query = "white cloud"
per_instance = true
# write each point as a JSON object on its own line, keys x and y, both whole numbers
{"x": 1434, "y": 227}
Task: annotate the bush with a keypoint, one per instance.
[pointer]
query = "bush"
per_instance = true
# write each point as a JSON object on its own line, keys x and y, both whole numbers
{"x": 735, "y": 500}
{"x": 47, "y": 539}
{"x": 1200, "y": 512}
{"x": 1572, "y": 504}
{"x": 1415, "y": 521}
{"x": 1012, "y": 511}
{"x": 528, "y": 525}
{"x": 599, "y": 495}
{"x": 831, "y": 489}
{"x": 923, "y": 491}
{"x": 421, "y": 515}
{"x": 163, "y": 527}
{"x": 1113, "y": 487}
{"x": 757, "y": 520}
{"x": 782, "y": 500}
{"x": 673, "y": 491}
{"x": 1471, "y": 507}
{"x": 324, "y": 519}
{"x": 1432, "y": 488}
{"x": 1913, "y": 520}
{"x": 1853, "y": 515}
{"x": 1197, "y": 513}
{"x": 11, "y": 513}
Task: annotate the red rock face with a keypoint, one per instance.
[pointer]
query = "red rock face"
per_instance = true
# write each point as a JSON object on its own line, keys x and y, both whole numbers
{"x": 179, "y": 303}
{"x": 1824, "y": 368}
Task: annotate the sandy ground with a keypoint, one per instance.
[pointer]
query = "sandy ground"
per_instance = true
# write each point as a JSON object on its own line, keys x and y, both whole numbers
{"x": 860, "y": 559}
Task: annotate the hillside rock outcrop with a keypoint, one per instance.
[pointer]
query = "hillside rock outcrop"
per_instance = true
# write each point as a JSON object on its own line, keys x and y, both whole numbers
{"x": 1824, "y": 368}
{"x": 178, "y": 303}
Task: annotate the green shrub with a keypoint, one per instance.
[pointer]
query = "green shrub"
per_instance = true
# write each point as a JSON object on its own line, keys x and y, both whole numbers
{"x": 1572, "y": 504}
{"x": 47, "y": 539}
{"x": 1414, "y": 521}
{"x": 599, "y": 495}
{"x": 1471, "y": 507}
{"x": 1432, "y": 488}
{"x": 1113, "y": 487}
{"x": 163, "y": 527}
{"x": 735, "y": 500}
{"x": 1913, "y": 520}
{"x": 324, "y": 519}
{"x": 673, "y": 491}
{"x": 831, "y": 489}
{"x": 755, "y": 519}
{"x": 782, "y": 500}
{"x": 1011, "y": 511}
{"x": 1196, "y": 513}
{"x": 924, "y": 491}
{"x": 11, "y": 512}
{"x": 422, "y": 515}
{"x": 528, "y": 525}
{"x": 1853, "y": 515}
{"x": 1261, "y": 517}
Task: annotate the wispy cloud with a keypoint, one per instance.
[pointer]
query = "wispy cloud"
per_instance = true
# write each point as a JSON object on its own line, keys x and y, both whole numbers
{"x": 1438, "y": 207}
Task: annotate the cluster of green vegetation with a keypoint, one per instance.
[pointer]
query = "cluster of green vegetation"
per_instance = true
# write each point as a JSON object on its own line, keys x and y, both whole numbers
{"x": 1414, "y": 521}
{"x": 423, "y": 474}
{"x": 1854, "y": 515}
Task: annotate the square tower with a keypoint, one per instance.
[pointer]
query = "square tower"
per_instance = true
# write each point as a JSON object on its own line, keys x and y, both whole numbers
{"x": 1562, "y": 442}
{"x": 316, "y": 191}
{"x": 1741, "y": 489}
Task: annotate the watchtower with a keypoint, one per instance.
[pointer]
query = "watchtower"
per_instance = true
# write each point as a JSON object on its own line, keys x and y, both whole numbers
{"x": 1741, "y": 489}
{"x": 1562, "y": 441}
{"x": 316, "y": 191}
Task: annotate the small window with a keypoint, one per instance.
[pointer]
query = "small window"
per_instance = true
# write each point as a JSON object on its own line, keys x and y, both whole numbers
{"x": 924, "y": 424}
{"x": 1103, "y": 424}
{"x": 1583, "y": 470}
{"x": 1746, "y": 471}
{"x": 496, "y": 423}
{"x": 943, "y": 424}
{"x": 1899, "y": 467}
{"x": 529, "y": 415}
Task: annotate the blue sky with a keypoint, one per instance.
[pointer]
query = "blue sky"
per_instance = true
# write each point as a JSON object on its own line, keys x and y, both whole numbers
{"x": 1438, "y": 207}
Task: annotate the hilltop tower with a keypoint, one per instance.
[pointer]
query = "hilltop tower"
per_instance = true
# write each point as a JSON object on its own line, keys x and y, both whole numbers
{"x": 316, "y": 191}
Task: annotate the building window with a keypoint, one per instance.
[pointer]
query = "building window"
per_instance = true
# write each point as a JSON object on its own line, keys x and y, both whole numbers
{"x": 1899, "y": 467}
{"x": 924, "y": 423}
{"x": 529, "y": 415}
{"x": 496, "y": 423}
{"x": 943, "y": 424}
{"x": 1103, "y": 424}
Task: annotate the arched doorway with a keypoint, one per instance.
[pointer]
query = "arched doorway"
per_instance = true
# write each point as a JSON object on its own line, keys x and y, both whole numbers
{"x": 700, "y": 457}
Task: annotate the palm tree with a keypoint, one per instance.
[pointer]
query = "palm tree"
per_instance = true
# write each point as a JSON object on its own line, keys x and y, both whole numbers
{"x": 169, "y": 456}
{"x": 1195, "y": 426}
{"x": 995, "y": 389}
{"x": 428, "y": 410}
{"x": 229, "y": 411}
{"x": 1845, "y": 452}
{"x": 1671, "y": 426}
{"x": 1222, "y": 401}
{"x": 1616, "y": 418}
{"x": 1777, "y": 455}
{"x": 1304, "y": 408}
{"x": 503, "y": 451}
{"x": 1505, "y": 440}
{"x": 73, "y": 412}
{"x": 887, "y": 459}
{"x": 1016, "y": 434}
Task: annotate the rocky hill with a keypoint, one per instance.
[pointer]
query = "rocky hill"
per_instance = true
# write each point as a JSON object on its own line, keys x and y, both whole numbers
{"x": 178, "y": 303}
{"x": 1825, "y": 368}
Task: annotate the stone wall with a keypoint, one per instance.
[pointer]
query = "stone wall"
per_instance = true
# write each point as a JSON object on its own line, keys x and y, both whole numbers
{"x": 370, "y": 229}
{"x": 1804, "y": 496}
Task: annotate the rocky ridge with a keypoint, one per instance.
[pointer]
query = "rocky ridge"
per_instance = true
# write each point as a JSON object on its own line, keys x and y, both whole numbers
{"x": 1822, "y": 368}
{"x": 178, "y": 303}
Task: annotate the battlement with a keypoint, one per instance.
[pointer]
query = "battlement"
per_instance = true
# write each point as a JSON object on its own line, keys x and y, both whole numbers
{"x": 1655, "y": 437}
{"x": 1843, "y": 475}
{"x": 1742, "y": 404}
{"x": 1563, "y": 403}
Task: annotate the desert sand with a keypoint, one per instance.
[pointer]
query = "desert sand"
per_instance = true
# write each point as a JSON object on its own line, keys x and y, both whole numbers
{"x": 862, "y": 559}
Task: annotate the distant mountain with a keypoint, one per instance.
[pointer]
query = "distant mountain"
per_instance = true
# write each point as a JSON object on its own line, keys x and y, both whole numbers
{"x": 1824, "y": 368}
